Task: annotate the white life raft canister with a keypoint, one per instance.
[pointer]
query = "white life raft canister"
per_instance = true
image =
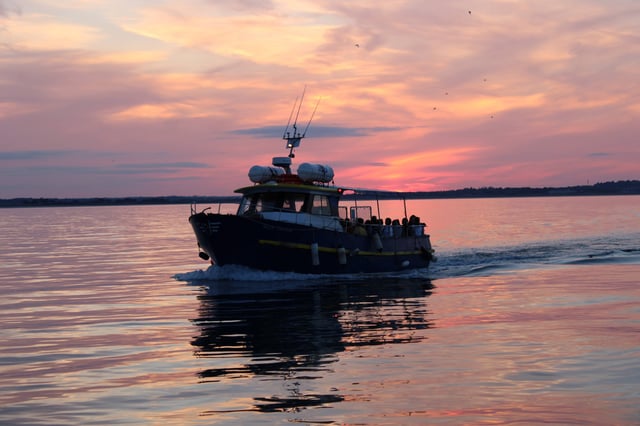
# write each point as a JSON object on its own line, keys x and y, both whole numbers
{"x": 310, "y": 172}
{"x": 262, "y": 174}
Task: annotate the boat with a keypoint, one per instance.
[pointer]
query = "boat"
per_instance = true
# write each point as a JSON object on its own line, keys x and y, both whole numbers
{"x": 299, "y": 222}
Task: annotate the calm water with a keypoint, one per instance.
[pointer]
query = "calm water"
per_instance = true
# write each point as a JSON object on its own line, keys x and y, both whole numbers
{"x": 531, "y": 315}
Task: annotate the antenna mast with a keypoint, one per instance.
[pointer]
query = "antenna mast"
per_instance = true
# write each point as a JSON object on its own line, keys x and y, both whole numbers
{"x": 311, "y": 118}
{"x": 293, "y": 138}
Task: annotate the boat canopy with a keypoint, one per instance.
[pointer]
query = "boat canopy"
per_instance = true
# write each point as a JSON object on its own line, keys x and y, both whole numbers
{"x": 290, "y": 187}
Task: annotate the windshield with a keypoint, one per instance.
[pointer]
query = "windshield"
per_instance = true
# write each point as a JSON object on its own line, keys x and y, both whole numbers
{"x": 289, "y": 202}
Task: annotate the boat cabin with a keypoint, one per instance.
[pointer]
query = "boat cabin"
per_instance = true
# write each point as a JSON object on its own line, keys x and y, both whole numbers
{"x": 288, "y": 198}
{"x": 302, "y": 204}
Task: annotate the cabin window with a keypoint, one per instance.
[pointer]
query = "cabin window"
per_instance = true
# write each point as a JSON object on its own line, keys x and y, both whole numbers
{"x": 294, "y": 202}
{"x": 343, "y": 212}
{"x": 360, "y": 212}
{"x": 270, "y": 202}
{"x": 324, "y": 205}
{"x": 247, "y": 205}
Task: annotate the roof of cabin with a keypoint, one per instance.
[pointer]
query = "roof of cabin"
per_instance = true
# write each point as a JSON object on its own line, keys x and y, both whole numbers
{"x": 289, "y": 188}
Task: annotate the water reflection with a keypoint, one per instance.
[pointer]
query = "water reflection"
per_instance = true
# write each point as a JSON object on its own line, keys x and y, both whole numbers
{"x": 295, "y": 335}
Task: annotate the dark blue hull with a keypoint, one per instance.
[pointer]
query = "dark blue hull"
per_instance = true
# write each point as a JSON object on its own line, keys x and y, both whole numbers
{"x": 276, "y": 246}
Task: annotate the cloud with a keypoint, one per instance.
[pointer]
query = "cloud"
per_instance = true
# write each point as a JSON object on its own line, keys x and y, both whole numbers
{"x": 245, "y": 6}
{"x": 158, "y": 111}
{"x": 163, "y": 166}
{"x": 432, "y": 94}
{"x": 8, "y": 7}
{"x": 33, "y": 155}
{"x": 183, "y": 164}
{"x": 316, "y": 131}
{"x": 95, "y": 161}
{"x": 260, "y": 38}
{"x": 42, "y": 32}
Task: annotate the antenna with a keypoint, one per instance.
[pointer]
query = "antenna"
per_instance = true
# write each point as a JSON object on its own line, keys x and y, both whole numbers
{"x": 284, "y": 135}
{"x": 299, "y": 106}
{"x": 293, "y": 138}
{"x": 311, "y": 118}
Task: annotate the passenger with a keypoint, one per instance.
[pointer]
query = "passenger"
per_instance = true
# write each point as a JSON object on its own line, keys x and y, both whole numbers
{"x": 418, "y": 227}
{"x": 371, "y": 225}
{"x": 411, "y": 229}
{"x": 359, "y": 228}
{"x": 368, "y": 226}
{"x": 387, "y": 229}
{"x": 397, "y": 228}
{"x": 405, "y": 226}
{"x": 375, "y": 226}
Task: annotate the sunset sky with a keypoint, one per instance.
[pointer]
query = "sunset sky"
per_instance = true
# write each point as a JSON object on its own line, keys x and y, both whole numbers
{"x": 139, "y": 97}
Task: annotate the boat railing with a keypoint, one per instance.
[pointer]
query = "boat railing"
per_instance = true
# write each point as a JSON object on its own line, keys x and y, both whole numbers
{"x": 395, "y": 231}
{"x": 338, "y": 224}
{"x": 194, "y": 208}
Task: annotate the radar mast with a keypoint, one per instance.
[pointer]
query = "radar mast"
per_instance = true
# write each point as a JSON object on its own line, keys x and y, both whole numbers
{"x": 294, "y": 137}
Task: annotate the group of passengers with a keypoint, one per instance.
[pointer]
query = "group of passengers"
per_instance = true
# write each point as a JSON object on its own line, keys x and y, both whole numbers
{"x": 387, "y": 228}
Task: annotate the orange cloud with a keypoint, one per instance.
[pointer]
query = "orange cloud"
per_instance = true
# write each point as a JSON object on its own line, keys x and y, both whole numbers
{"x": 159, "y": 112}
{"x": 43, "y": 32}
{"x": 405, "y": 172}
{"x": 123, "y": 57}
{"x": 438, "y": 158}
{"x": 266, "y": 39}
{"x": 482, "y": 106}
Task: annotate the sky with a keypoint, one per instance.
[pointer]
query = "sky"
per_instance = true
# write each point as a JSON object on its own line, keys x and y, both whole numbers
{"x": 111, "y": 98}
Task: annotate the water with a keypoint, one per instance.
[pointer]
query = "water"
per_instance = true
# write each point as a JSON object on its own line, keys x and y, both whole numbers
{"x": 531, "y": 315}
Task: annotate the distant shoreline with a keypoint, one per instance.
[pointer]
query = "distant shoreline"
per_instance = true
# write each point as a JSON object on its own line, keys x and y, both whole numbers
{"x": 627, "y": 187}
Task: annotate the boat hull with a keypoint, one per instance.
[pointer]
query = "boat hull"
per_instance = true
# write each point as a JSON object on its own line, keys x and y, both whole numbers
{"x": 270, "y": 245}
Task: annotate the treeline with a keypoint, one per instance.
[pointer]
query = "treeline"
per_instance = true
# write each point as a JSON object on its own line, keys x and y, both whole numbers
{"x": 622, "y": 187}
{"x": 114, "y": 201}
